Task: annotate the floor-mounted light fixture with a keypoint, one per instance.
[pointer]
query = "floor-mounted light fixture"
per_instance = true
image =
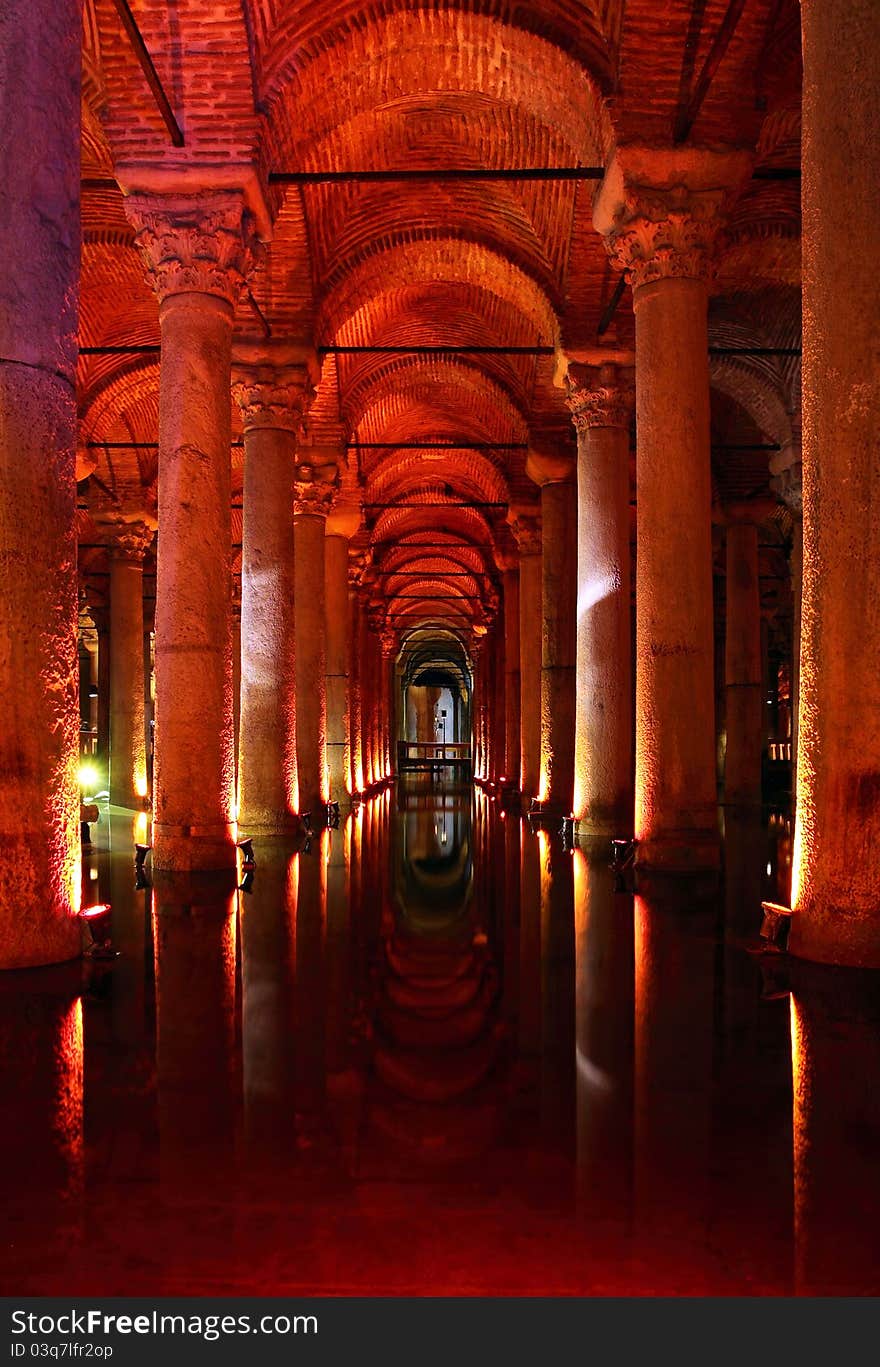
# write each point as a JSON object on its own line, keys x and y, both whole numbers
{"x": 247, "y": 853}
{"x": 333, "y": 816}
{"x": 97, "y": 921}
{"x": 247, "y": 883}
{"x": 775, "y": 925}
{"x": 623, "y": 852}
{"x": 306, "y": 819}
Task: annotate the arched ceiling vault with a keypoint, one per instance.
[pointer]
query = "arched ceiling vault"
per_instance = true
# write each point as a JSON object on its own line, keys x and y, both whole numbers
{"x": 436, "y": 443}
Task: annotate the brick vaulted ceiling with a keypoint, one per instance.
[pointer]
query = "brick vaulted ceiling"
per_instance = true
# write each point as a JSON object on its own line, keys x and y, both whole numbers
{"x": 335, "y": 85}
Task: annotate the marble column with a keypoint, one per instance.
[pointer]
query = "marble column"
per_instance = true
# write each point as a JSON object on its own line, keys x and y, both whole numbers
{"x": 601, "y": 401}
{"x": 742, "y": 668}
{"x": 355, "y": 719}
{"x": 342, "y": 524}
{"x": 836, "y": 875}
{"x": 197, "y": 252}
{"x": 274, "y": 386}
{"x": 315, "y": 478}
{"x": 555, "y": 473}
{"x": 786, "y": 469}
{"x": 129, "y": 542}
{"x": 527, "y": 534}
{"x": 663, "y": 238}
{"x": 40, "y": 243}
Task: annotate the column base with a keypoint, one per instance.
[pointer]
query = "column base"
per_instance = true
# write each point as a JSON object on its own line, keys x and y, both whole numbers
{"x": 287, "y": 825}
{"x": 835, "y": 937}
{"x": 191, "y": 849}
{"x": 679, "y": 852}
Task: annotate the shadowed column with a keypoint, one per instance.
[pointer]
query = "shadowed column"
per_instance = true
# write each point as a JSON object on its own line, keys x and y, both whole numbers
{"x": 273, "y": 385}
{"x": 742, "y": 668}
{"x": 129, "y": 542}
{"x": 40, "y": 246}
{"x": 555, "y": 473}
{"x": 527, "y": 534}
{"x": 315, "y": 478}
{"x": 342, "y": 524}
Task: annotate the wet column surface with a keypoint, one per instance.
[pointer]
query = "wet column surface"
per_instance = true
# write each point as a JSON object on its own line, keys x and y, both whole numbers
{"x": 196, "y": 250}
{"x": 40, "y": 242}
{"x": 273, "y": 387}
{"x": 836, "y": 875}
{"x": 601, "y": 400}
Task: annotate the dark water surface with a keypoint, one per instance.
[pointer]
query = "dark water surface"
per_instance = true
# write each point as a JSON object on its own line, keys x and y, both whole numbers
{"x": 436, "y": 1053}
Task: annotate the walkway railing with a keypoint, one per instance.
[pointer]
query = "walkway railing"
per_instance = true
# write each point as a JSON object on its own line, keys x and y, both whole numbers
{"x": 423, "y": 756}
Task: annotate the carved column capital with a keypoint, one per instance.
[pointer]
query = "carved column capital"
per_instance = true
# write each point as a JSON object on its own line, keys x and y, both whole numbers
{"x": 128, "y": 539}
{"x": 314, "y": 489}
{"x": 202, "y": 244}
{"x": 273, "y": 397}
{"x": 667, "y": 235}
{"x": 526, "y": 528}
{"x": 788, "y": 487}
{"x": 388, "y": 640}
{"x": 599, "y": 397}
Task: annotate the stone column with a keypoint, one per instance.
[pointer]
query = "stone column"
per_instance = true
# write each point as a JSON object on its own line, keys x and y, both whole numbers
{"x": 236, "y": 682}
{"x": 315, "y": 478}
{"x": 512, "y": 682}
{"x": 273, "y": 386}
{"x": 342, "y": 524}
{"x": 527, "y": 533}
{"x": 787, "y": 481}
{"x": 389, "y": 691}
{"x": 39, "y": 240}
{"x": 601, "y": 401}
{"x": 129, "y": 542}
{"x": 836, "y": 874}
{"x": 558, "y": 610}
{"x": 197, "y": 250}
{"x": 742, "y": 668}
{"x": 355, "y": 721}
{"x": 663, "y": 238}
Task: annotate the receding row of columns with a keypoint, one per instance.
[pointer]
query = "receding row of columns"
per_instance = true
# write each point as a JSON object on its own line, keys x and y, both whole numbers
{"x": 659, "y": 212}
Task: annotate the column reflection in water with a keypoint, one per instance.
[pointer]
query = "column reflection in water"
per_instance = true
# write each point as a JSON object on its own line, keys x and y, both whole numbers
{"x": 751, "y": 1190}
{"x": 529, "y": 945}
{"x": 311, "y": 927}
{"x": 41, "y": 1143}
{"x": 603, "y": 923}
{"x": 557, "y": 992}
{"x": 674, "y": 1032}
{"x": 835, "y": 1047}
{"x": 268, "y": 953}
{"x": 194, "y": 933}
{"x": 436, "y": 1035}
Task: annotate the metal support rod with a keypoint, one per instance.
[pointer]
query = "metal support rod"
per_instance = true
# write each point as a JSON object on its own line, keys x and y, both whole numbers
{"x": 438, "y": 445}
{"x": 438, "y": 173}
{"x": 438, "y": 349}
{"x": 720, "y": 43}
{"x": 611, "y": 309}
{"x": 149, "y": 70}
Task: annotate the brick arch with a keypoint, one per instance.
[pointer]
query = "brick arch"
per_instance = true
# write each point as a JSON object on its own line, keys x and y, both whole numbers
{"x": 485, "y": 271}
{"x": 540, "y": 57}
{"x": 470, "y": 473}
{"x": 433, "y": 393}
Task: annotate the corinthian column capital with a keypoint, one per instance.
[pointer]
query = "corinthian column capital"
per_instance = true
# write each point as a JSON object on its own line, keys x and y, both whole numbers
{"x": 128, "y": 539}
{"x": 660, "y": 210}
{"x": 201, "y": 244}
{"x": 314, "y": 489}
{"x": 599, "y": 397}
